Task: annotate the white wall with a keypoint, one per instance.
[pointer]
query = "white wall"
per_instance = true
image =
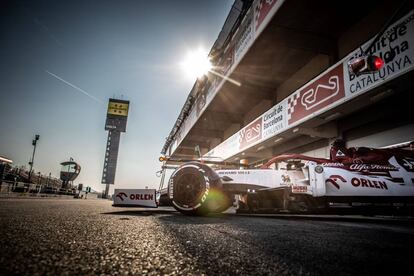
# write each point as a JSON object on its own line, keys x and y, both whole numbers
{"x": 385, "y": 138}
{"x": 322, "y": 152}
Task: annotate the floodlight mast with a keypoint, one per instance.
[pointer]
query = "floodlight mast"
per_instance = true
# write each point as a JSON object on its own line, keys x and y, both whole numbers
{"x": 31, "y": 162}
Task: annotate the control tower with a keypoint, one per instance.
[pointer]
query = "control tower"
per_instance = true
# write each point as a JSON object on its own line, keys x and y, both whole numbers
{"x": 69, "y": 172}
{"x": 116, "y": 120}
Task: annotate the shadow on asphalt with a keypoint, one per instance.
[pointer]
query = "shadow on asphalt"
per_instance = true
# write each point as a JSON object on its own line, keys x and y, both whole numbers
{"x": 172, "y": 216}
{"x": 335, "y": 218}
{"x": 303, "y": 243}
{"x": 178, "y": 218}
{"x": 141, "y": 213}
{"x": 181, "y": 219}
{"x": 269, "y": 239}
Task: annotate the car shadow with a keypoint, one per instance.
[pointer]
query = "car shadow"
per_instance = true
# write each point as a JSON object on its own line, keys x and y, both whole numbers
{"x": 171, "y": 216}
{"x": 181, "y": 219}
{"x": 146, "y": 212}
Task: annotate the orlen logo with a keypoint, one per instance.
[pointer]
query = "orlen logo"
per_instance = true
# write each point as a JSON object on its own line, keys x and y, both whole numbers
{"x": 333, "y": 179}
{"x": 141, "y": 197}
{"x": 121, "y": 196}
{"x": 362, "y": 182}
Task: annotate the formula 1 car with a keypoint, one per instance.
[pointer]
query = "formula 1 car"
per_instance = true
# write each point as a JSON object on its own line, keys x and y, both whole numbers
{"x": 353, "y": 178}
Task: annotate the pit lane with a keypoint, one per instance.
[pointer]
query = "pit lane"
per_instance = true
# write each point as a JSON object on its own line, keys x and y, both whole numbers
{"x": 59, "y": 236}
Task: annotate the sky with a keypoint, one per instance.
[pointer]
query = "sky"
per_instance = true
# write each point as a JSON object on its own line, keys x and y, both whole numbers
{"x": 124, "y": 49}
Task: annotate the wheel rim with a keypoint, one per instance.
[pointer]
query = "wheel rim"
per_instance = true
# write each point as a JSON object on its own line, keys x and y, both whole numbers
{"x": 188, "y": 188}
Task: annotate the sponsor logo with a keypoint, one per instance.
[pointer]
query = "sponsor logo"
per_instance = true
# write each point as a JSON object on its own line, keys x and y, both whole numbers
{"x": 251, "y": 133}
{"x": 371, "y": 167}
{"x": 207, "y": 181}
{"x": 286, "y": 179}
{"x": 336, "y": 165}
{"x": 310, "y": 98}
{"x": 339, "y": 153}
{"x": 408, "y": 164}
{"x": 333, "y": 179}
{"x": 299, "y": 189}
{"x": 233, "y": 172}
{"x": 141, "y": 197}
{"x": 362, "y": 182}
{"x": 320, "y": 93}
{"x": 357, "y": 182}
{"x": 121, "y": 196}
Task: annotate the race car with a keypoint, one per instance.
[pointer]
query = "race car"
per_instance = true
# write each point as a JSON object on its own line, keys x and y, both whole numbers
{"x": 353, "y": 178}
{"x": 297, "y": 183}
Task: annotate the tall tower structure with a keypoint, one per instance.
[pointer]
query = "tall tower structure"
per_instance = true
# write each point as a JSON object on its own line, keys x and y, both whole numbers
{"x": 116, "y": 120}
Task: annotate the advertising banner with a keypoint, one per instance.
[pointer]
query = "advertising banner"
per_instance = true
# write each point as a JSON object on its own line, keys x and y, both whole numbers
{"x": 316, "y": 95}
{"x": 251, "y": 133}
{"x": 245, "y": 36}
{"x": 269, "y": 124}
{"x": 263, "y": 8}
{"x": 135, "y": 197}
{"x": 275, "y": 120}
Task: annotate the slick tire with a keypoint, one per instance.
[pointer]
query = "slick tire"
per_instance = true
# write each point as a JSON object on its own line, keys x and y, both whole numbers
{"x": 195, "y": 189}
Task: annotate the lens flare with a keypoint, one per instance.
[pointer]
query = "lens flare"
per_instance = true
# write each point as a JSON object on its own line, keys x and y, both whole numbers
{"x": 218, "y": 201}
{"x": 196, "y": 64}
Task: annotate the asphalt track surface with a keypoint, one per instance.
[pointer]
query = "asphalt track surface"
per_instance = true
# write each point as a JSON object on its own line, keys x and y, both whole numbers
{"x": 87, "y": 237}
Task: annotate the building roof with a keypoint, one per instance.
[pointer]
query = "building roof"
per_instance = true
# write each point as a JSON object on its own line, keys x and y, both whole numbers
{"x": 5, "y": 160}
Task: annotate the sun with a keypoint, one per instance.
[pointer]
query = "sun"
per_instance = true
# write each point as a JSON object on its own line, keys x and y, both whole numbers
{"x": 196, "y": 64}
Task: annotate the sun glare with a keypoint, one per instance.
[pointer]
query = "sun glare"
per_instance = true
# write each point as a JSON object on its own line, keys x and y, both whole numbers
{"x": 196, "y": 64}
